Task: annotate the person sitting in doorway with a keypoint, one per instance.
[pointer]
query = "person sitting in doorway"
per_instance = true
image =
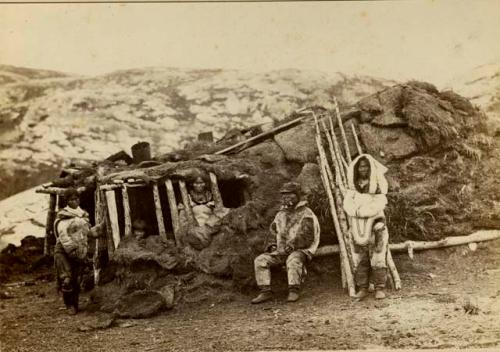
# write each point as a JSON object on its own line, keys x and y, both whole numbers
{"x": 139, "y": 229}
{"x": 198, "y": 231}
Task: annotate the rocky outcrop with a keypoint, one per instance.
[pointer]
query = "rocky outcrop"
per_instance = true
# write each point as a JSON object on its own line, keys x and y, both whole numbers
{"x": 49, "y": 118}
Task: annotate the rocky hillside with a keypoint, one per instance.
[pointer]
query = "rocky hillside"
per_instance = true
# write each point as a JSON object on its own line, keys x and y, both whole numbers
{"x": 482, "y": 87}
{"x": 48, "y": 117}
{"x": 13, "y": 74}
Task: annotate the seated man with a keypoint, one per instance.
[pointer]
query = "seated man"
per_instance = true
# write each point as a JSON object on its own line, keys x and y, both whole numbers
{"x": 295, "y": 238}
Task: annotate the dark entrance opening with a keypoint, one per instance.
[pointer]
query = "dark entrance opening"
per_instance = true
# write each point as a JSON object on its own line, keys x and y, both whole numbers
{"x": 233, "y": 192}
{"x": 142, "y": 206}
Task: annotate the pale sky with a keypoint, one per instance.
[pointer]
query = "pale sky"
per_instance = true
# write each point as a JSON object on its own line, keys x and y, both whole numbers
{"x": 429, "y": 40}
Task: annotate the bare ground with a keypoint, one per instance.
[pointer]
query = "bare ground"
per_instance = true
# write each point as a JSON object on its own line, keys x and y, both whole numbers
{"x": 430, "y": 312}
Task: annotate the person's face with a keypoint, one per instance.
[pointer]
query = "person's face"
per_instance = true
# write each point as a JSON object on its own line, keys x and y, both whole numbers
{"x": 363, "y": 169}
{"x": 199, "y": 185}
{"x": 139, "y": 233}
{"x": 74, "y": 202}
{"x": 289, "y": 200}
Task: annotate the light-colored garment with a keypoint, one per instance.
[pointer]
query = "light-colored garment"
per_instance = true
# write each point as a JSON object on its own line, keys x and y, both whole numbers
{"x": 72, "y": 227}
{"x": 369, "y": 250}
{"x": 207, "y": 221}
{"x": 363, "y": 209}
{"x": 295, "y": 267}
{"x": 297, "y": 228}
{"x": 377, "y": 174}
{"x": 370, "y": 261}
{"x": 202, "y": 212}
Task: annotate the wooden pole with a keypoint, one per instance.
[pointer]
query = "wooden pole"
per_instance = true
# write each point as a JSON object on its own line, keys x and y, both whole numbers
{"x": 329, "y": 185}
{"x": 110, "y": 187}
{"x": 57, "y": 190}
{"x": 336, "y": 150}
{"x": 336, "y": 162}
{"x": 49, "y": 226}
{"x": 214, "y": 187}
{"x": 340, "y": 213}
{"x": 393, "y": 271}
{"x": 342, "y": 132}
{"x": 345, "y": 265}
{"x": 251, "y": 141}
{"x": 97, "y": 217}
{"x": 187, "y": 203}
{"x": 126, "y": 211}
{"x": 159, "y": 214}
{"x": 113, "y": 217}
{"x": 356, "y": 140}
{"x": 174, "y": 212}
{"x": 338, "y": 153}
{"x": 343, "y": 253}
{"x": 479, "y": 236}
{"x": 109, "y": 232}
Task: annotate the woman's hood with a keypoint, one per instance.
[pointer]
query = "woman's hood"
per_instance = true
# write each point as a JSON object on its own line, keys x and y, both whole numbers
{"x": 377, "y": 171}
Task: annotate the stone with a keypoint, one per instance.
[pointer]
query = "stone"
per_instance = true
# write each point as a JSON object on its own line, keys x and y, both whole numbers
{"x": 309, "y": 178}
{"x": 394, "y": 143}
{"x": 298, "y": 143}
{"x": 371, "y": 105}
{"x": 389, "y": 118}
{"x": 140, "y": 304}
{"x": 384, "y": 108}
{"x": 269, "y": 153}
{"x": 168, "y": 294}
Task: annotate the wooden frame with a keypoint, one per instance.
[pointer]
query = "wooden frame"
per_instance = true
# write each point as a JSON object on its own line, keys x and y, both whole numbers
{"x": 126, "y": 211}
{"x": 187, "y": 203}
{"x": 174, "y": 211}
{"x": 214, "y": 187}
{"x": 113, "y": 217}
{"x": 159, "y": 214}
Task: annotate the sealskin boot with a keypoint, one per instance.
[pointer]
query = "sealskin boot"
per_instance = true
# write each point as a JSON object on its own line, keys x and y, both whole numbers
{"x": 379, "y": 294}
{"x": 293, "y": 296}
{"x": 379, "y": 278}
{"x": 361, "y": 294}
{"x": 264, "y": 296}
{"x": 73, "y": 310}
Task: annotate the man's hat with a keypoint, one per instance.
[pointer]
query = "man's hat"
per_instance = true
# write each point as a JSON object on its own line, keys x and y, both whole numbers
{"x": 291, "y": 187}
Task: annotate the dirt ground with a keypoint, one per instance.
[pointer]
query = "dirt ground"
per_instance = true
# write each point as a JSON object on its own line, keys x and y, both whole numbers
{"x": 430, "y": 312}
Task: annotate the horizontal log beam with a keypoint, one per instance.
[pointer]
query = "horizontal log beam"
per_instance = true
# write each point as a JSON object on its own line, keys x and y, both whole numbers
{"x": 110, "y": 187}
{"x": 58, "y": 190}
{"x": 479, "y": 236}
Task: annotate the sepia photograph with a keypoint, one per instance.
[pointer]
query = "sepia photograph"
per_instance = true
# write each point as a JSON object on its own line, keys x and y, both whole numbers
{"x": 249, "y": 175}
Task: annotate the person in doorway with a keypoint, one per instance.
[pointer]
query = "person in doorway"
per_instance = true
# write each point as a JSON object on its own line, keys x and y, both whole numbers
{"x": 364, "y": 204}
{"x": 294, "y": 239}
{"x": 198, "y": 231}
{"x": 139, "y": 229}
{"x": 201, "y": 199}
{"x": 72, "y": 229}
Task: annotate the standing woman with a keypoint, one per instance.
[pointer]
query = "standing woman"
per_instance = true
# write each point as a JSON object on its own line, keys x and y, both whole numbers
{"x": 72, "y": 229}
{"x": 364, "y": 203}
